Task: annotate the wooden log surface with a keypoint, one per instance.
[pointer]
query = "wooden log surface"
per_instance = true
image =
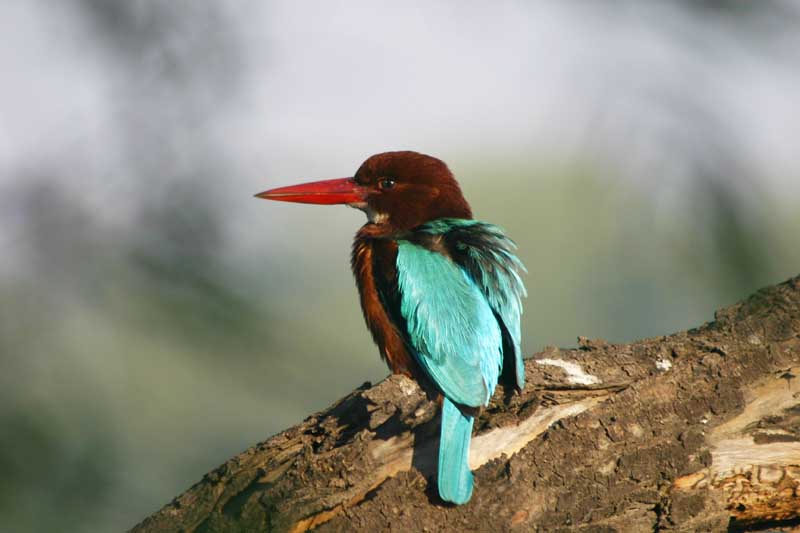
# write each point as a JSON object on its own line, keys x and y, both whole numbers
{"x": 696, "y": 431}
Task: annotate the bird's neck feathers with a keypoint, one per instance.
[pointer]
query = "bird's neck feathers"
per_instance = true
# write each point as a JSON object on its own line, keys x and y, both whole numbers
{"x": 380, "y": 227}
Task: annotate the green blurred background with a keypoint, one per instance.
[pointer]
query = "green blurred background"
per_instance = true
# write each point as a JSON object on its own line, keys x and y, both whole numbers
{"x": 156, "y": 319}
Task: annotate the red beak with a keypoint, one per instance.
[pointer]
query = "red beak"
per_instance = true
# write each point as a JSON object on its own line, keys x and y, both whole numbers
{"x": 326, "y": 192}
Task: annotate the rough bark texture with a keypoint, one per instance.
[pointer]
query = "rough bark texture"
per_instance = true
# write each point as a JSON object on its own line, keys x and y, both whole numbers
{"x": 697, "y": 431}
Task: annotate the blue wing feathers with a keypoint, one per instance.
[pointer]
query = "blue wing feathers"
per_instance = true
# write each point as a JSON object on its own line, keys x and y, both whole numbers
{"x": 488, "y": 256}
{"x": 451, "y": 326}
{"x": 460, "y": 295}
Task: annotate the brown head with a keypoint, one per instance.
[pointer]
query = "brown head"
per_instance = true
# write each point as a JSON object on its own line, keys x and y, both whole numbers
{"x": 397, "y": 190}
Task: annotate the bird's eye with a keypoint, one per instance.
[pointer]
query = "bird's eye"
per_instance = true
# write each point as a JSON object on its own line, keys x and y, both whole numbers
{"x": 386, "y": 184}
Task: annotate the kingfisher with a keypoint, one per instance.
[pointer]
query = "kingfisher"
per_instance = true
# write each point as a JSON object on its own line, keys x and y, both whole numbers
{"x": 440, "y": 291}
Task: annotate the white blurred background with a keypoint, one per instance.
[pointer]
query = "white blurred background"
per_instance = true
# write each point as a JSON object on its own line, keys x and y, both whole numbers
{"x": 156, "y": 319}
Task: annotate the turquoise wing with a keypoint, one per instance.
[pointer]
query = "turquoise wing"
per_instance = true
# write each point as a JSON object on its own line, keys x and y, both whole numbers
{"x": 451, "y": 325}
{"x": 489, "y": 257}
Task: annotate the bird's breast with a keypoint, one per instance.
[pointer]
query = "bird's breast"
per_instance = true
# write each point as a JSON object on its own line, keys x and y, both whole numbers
{"x": 375, "y": 271}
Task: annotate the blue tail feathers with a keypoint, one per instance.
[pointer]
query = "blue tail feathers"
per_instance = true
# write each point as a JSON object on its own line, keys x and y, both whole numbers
{"x": 455, "y": 477}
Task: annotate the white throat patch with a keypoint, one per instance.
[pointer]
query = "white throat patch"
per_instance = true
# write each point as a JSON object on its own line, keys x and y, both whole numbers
{"x": 372, "y": 215}
{"x": 375, "y": 217}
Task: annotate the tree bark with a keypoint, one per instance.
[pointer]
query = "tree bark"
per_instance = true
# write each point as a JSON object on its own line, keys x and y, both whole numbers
{"x": 696, "y": 431}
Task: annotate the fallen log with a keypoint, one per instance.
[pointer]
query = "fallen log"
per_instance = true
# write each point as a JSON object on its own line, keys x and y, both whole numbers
{"x": 696, "y": 431}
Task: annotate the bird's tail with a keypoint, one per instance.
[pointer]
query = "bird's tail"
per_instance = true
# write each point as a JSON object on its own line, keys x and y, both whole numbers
{"x": 455, "y": 478}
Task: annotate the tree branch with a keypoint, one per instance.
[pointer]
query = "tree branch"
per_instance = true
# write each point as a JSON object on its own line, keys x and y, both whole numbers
{"x": 699, "y": 430}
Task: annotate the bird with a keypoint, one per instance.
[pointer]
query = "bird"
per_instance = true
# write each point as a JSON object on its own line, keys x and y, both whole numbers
{"x": 441, "y": 292}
